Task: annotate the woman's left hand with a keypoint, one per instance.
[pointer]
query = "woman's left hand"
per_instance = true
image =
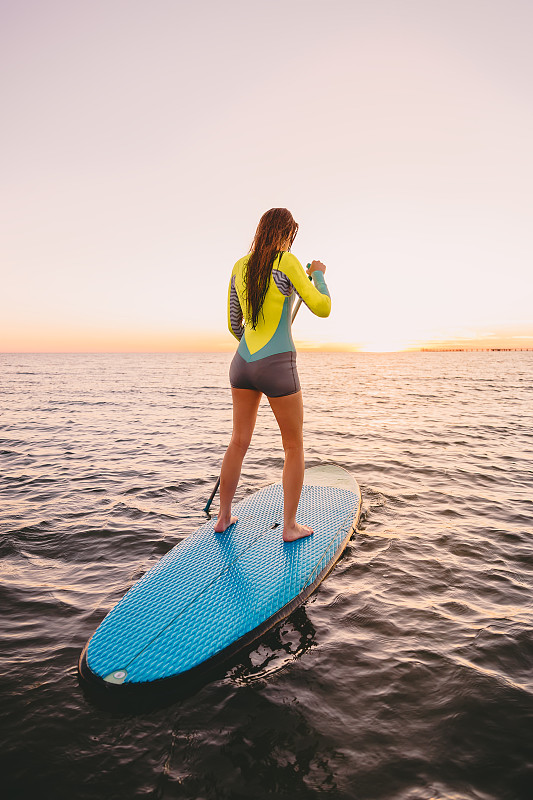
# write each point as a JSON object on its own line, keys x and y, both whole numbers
{"x": 316, "y": 266}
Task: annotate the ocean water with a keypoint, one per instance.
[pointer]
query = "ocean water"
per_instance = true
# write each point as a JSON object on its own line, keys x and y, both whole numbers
{"x": 407, "y": 676}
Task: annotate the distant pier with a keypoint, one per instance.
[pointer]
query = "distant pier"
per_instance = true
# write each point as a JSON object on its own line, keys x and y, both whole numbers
{"x": 476, "y": 350}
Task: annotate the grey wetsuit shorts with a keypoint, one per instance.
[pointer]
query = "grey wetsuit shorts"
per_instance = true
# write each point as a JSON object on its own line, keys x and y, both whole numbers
{"x": 275, "y": 376}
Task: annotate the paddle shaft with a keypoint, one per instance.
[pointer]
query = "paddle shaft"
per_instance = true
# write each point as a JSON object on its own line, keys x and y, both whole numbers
{"x": 213, "y": 493}
{"x": 217, "y": 484}
{"x": 299, "y": 303}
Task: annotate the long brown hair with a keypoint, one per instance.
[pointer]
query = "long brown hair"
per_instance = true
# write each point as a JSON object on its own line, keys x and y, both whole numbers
{"x": 276, "y": 227}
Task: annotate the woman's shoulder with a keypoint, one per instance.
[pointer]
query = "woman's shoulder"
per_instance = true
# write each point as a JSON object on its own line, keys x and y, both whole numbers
{"x": 289, "y": 263}
{"x": 288, "y": 256}
{"x": 237, "y": 267}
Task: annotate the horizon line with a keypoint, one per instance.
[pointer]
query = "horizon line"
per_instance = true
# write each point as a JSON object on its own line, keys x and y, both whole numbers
{"x": 356, "y": 350}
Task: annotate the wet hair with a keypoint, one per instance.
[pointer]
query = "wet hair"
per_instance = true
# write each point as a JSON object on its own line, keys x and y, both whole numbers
{"x": 276, "y": 227}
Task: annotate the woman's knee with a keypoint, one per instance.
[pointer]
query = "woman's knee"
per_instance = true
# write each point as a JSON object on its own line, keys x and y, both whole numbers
{"x": 240, "y": 443}
{"x": 293, "y": 443}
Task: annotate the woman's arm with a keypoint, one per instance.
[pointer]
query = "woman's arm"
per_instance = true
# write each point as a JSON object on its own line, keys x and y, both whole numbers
{"x": 235, "y": 325}
{"x": 315, "y": 295}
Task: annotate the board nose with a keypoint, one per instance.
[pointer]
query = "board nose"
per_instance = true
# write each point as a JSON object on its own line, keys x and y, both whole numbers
{"x": 118, "y": 676}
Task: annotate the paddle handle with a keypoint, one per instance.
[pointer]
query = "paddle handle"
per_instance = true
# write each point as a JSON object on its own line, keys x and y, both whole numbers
{"x": 299, "y": 303}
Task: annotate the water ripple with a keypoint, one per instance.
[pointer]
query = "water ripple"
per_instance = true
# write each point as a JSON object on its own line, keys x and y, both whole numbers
{"x": 408, "y": 676}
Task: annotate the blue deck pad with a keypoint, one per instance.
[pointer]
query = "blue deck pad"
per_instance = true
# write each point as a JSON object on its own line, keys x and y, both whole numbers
{"x": 214, "y": 588}
{"x": 181, "y": 575}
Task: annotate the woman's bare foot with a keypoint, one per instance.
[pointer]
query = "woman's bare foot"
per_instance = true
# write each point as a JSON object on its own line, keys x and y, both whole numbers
{"x": 296, "y": 532}
{"x": 223, "y": 523}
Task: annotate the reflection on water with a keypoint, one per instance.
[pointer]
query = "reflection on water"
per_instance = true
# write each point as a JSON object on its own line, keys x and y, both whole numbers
{"x": 408, "y": 675}
{"x": 276, "y": 649}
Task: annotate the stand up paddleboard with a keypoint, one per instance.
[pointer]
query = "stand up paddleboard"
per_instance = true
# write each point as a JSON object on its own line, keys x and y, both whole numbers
{"x": 215, "y": 593}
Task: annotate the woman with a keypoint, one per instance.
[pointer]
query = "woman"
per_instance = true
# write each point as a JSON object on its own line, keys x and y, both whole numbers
{"x": 261, "y": 293}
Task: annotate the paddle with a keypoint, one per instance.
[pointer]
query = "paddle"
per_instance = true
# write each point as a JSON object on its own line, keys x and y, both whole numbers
{"x": 213, "y": 493}
{"x": 299, "y": 303}
{"x": 217, "y": 484}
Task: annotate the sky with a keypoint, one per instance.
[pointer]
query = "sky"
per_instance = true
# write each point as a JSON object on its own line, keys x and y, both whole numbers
{"x": 143, "y": 139}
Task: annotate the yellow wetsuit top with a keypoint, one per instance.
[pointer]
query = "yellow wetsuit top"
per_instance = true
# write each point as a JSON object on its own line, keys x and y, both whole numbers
{"x": 272, "y": 333}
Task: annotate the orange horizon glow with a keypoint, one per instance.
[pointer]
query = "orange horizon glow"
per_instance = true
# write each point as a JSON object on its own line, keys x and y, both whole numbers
{"x": 385, "y": 338}
{"x": 163, "y": 342}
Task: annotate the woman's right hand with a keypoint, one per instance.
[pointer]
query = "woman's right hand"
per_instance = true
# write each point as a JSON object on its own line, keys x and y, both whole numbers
{"x": 316, "y": 266}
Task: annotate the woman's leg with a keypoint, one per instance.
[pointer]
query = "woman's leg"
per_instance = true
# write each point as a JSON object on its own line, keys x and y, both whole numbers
{"x": 245, "y": 405}
{"x": 289, "y": 413}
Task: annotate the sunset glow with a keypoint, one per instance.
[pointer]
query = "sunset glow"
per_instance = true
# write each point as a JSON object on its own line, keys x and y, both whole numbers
{"x": 135, "y": 180}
